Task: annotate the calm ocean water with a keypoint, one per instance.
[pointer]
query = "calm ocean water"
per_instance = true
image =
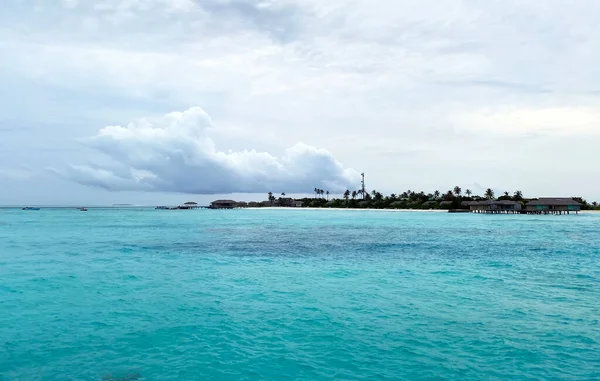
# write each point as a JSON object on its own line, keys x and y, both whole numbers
{"x": 297, "y": 295}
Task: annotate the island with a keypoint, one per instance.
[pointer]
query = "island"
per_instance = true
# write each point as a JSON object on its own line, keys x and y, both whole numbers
{"x": 454, "y": 200}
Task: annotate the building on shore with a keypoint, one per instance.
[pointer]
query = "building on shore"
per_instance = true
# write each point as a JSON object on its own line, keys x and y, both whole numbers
{"x": 495, "y": 206}
{"x": 553, "y": 206}
{"x": 427, "y": 204}
{"x": 282, "y": 202}
{"x": 446, "y": 204}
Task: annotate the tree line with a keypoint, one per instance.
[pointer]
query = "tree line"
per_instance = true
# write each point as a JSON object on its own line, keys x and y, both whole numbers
{"x": 452, "y": 199}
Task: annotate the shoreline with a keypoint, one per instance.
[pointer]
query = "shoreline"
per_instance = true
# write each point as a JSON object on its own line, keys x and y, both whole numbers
{"x": 352, "y": 209}
{"x": 9, "y": 207}
{"x": 445, "y": 211}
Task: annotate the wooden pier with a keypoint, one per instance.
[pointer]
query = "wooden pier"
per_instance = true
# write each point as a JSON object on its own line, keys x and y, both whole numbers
{"x": 542, "y": 206}
{"x": 523, "y": 211}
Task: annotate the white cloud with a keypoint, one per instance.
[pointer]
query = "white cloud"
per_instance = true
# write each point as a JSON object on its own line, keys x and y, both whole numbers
{"x": 174, "y": 153}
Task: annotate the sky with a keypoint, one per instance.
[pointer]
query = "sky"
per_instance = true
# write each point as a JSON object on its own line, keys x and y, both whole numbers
{"x": 166, "y": 101}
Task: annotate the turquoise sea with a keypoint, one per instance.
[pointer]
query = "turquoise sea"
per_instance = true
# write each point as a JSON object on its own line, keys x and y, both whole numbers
{"x": 126, "y": 294}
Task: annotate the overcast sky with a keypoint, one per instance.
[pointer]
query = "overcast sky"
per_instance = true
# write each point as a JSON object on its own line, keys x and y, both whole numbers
{"x": 142, "y": 101}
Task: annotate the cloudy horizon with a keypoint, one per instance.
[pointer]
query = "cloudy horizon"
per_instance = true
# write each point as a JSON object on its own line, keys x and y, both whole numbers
{"x": 165, "y": 101}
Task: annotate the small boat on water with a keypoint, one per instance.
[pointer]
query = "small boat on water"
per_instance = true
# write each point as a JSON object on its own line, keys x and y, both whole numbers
{"x": 83, "y": 209}
{"x": 30, "y": 208}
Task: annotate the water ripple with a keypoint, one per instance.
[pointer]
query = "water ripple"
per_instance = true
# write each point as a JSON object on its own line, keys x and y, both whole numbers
{"x": 310, "y": 295}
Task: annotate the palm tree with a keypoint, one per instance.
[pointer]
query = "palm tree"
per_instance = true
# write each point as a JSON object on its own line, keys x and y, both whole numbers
{"x": 436, "y": 194}
{"x": 518, "y": 195}
{"x": 327, "y": 195}
{"x": 316, "y": 192}
{"x": 457, "y": 191}
{"x": 270, "y": 194}
{"x": 282, "y": 202}
{"x": 354, "y": 194}
{"x": 489, "y": 194}
{"x": 346, "y": 195}
{"x": 449, "y": 196}
{"x": 595, "y": 204}
{"x": 393, "y": 196}
{"x": 506, "y": 194}
{"x": 321, "y": 192}
{"x": 468, "y": 192}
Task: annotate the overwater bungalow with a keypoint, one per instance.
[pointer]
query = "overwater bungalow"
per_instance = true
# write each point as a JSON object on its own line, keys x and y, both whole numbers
{"x": 189, "y": 205}
{"x": 553, "y": 206}
{"x": 224, "y": 204}
{"x": 496, "y": 207}
{"x": 467, "y": 204}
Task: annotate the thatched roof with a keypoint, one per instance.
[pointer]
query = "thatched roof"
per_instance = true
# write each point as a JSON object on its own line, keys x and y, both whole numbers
{"x": 495, "y": 202}
{"x": 554, "y": 201}
{"x": 224, "y": 202}
{"x": 191, "y": 203}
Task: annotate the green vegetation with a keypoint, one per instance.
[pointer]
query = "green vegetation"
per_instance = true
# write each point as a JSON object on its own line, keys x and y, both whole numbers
{"x": 452, "y": 199}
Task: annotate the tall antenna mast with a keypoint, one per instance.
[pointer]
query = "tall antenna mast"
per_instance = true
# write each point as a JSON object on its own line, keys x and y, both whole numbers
{"x": 362, "y": 183}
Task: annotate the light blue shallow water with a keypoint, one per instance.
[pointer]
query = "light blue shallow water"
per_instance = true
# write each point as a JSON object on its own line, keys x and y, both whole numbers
{"x": 297, "y": 295}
